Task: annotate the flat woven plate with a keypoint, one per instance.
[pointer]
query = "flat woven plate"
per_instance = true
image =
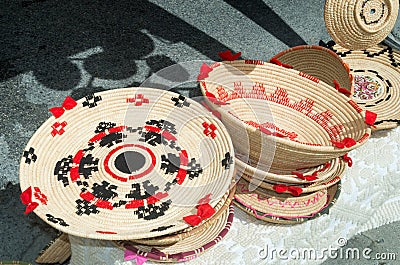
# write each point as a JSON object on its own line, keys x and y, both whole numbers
{"x": 272, "y": 216}
{"x": 360, "y": 24}
{"x": 126, "y": 164}
{"x": 190, "y": 247}
{"x": 376, "y": 73}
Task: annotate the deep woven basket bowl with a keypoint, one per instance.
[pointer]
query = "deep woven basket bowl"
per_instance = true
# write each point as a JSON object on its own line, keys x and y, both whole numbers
{"x": 126, "y": 164}
{"x": 281, "y": 117}
{"x": 319, "y": 62}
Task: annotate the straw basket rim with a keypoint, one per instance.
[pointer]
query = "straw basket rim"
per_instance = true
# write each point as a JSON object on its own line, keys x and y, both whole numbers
{"x": 191, "y": 231}
{"x": 247, "y": 169}
{"x": 220, "y": 229}
{"x": 348, "y": 85}
{"x": 269, "y": 217}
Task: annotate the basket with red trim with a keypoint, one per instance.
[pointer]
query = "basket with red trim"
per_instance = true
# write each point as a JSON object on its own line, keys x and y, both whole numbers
{"x": 129, "y": 163}
{"x": 319, "y": 62}
{"x": 282, "y": 118}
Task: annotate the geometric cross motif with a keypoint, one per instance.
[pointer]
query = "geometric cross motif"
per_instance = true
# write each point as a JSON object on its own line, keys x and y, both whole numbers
{"x": 227, "y": 161}
{"x": 91, "y": 101}
{"x": 180, "y": 101}
{"x": 58, "y": 128}
{"x": 30, "y": 155}
{"x": 194, "y": 169}
{"x": 209, "y": 129}
{"x": 139, "y": 99}
{"x": 85, "y": 207}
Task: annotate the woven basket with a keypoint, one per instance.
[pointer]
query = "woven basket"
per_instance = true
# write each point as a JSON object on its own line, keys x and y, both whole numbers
{"x": 360, "y": 24}
{"x": 125, "y": 164}
{"x": 189, "y": 248}
{"x": 322, "y": 172}
{"x": 334, "y": 178}
{"x": 282, "y": 208}
{"x": 319, "y": 62}
{"x": 377, "y": 81}
{"x": 191, "y": 231}
{"x": 57, "y": 251}
{"x": 282, "y": 117}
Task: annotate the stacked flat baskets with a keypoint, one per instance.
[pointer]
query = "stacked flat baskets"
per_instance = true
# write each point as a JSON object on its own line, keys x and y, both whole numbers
{"x": 291, "y": 132}
{"x": 131, "y": 164}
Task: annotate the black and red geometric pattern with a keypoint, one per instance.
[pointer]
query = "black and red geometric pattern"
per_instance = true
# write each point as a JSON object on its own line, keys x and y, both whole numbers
{"x": 147, "y": 200}
{"x": 30, "y": 155}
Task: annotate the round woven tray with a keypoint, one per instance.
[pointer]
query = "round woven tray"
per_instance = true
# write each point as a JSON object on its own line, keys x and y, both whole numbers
{"x": 125, "y": 164}
{"x": 189, "y": 248}
{"x": 282, "y": 117}
{"x": 246, "y": 203}
{"x": 360, "y": 24}
{"x": 319, "y": 62}
{"x": 191, "y": 231}
{"x": 376, "y": 72}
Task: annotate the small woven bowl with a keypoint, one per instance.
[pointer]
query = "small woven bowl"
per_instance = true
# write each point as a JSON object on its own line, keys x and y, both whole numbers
{"x": 319, "y": 62}
{"x": 360, "y": 24}
{"x": 282, "y": 117}
{"x": 265, "y": 214}
{"x": 190, "y": 247}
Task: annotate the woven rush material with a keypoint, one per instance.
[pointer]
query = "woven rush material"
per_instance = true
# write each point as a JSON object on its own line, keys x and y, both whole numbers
{"x": 321, "y": 172}
{"x": 191, "y": 231}
{"x": 190, "y": 247}
{"x": 319, "y": 62}
{"x": 376, "y": 72}
{"x": 58, "y": 251}
{"x": 333, "y": 178}
{"x": 282, "y": 208}
{"x": 282, "y": 117}
{"x": 360, "y": 24}
{"x": 126, "y": 164}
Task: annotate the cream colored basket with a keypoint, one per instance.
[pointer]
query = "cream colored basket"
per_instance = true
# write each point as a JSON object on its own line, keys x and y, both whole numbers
{"x": 284, "y": 118}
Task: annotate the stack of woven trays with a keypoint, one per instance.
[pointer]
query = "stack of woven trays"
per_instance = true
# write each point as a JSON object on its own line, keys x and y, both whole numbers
{"x": 150, "y": 170}
{"x": 292, "y": 125}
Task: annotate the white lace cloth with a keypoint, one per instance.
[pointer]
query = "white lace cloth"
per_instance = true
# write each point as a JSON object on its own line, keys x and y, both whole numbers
{"x": 370, "y": 198}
